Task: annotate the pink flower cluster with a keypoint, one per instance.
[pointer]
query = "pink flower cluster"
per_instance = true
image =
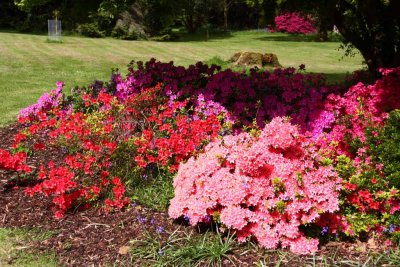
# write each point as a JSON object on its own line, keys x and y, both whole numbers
{"x": 265, "y": 186}
{"x": 294, "y": 23}
{"x": 362, "y": 106}
{"x": 45, "y": 102}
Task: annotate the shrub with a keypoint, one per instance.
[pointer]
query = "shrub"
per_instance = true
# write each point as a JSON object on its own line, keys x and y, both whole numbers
{"x": 294, "y": 23}
{"x": 387, "y": 150}
{"x": 90, "y": 30}
{"x": 265, "y": 186}
{"x": 167, "y": 35}
{"x": 123, "y": 32}
{"x": 358, "y": 145}
{"x": 110, "y": 141}
{"x": 260, "y": 95}
{"x": 270, "y": 184}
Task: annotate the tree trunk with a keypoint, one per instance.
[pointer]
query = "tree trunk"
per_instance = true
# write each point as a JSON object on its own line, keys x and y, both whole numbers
{"x": 325, "y": 22}
{"x": 372, "y": 29}
{"x": 226, "y": 8}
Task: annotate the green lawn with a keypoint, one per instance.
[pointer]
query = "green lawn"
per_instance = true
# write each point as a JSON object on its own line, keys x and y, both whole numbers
{"x": 29, "y": 65}
{"x": 17, "y": 249}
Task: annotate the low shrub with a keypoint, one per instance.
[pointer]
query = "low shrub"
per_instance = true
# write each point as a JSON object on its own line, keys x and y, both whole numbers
{"x": 124, "y": 33}
{"x": 294, "y": 23}
{"x": 111, "y": 142}
{"x": 90, "y": 30}
{"x": 265, "y": 186}
{"x": 387, "y": 149}
{"x": 358, "y": 146}
{"x": 167, "y": 35}
{"x": 13, "y": 162}
{"x": 260, "y": 95}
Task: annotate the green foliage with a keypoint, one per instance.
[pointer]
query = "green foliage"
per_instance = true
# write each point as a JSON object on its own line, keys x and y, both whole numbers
{"x": 217, "y": 61}
{"x": 123, "y": 33}
{"x": 17, "y": 248}
{"x": 183, "y": 249}
{"x": 154, "y": 193}
{"x": 90, "y": 30}
{"x": 160, "y": 15}
{"x": 165, "y": 35}
{"x": 386, "y": 148}
{"x": 29, "y": 4}
{"x": 112, "y": 8}
{"x": 344, "y": 167}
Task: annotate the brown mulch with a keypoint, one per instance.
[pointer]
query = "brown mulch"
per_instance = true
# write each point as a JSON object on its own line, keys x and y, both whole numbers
{"x": 91, "y": 239}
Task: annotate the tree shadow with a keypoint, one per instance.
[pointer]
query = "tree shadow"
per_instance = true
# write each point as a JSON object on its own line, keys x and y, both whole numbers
{"x": 289, "y": 38}
{"x": 202, "y": 36}
{"x": 286, "y": 37}
{"x": 7, "y": 30}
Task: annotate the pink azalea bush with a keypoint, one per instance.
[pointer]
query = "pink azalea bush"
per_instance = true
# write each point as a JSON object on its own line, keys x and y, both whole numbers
{"x": 265, "y": 186}
{"x": 294, "y": 23}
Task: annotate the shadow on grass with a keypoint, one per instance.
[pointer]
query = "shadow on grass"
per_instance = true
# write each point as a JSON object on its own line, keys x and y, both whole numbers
{"x": 202, "y": 36}
{"x": 5, "y": 30}
{"x": 280, "y": 37}
{"x": 333, "y": 78}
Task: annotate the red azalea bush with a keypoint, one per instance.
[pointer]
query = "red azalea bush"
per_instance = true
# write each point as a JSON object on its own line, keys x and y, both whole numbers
{"x": 157, "y": 130}
{"x": 295, "y": 23}
{"x": 265, "y": 186}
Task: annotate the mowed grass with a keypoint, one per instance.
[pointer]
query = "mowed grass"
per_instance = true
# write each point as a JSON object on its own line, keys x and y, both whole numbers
{"x": 30, "y": 66}
{"x": 17, "y": 249}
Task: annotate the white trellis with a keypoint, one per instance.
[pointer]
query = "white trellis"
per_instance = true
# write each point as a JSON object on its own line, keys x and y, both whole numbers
{"x": 54, "y": 27}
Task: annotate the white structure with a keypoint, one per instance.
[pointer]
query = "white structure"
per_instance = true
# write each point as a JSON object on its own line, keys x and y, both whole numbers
{"x": 54, "y": 27}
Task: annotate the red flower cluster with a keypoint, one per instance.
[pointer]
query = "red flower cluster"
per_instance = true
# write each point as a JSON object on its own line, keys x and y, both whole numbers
{"x": 162, "y": 131}
{"x": 16, "y": 162}
{"x": 173, "y": 137}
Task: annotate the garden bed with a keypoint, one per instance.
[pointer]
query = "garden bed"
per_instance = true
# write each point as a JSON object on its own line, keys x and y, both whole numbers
{"x": 88, "y": 238}
{"x": 99, "y": 168}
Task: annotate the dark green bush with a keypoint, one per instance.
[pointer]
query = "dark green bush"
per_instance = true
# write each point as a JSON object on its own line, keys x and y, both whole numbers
{"x": 123, "y": 33}
{"x": 387, "y": 149}
{"x": 166, "y": 36}
{"x": 90, "y": 30}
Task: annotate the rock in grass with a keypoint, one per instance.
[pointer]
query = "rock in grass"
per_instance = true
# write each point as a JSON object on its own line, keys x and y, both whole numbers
{"x": 253, "y": 59}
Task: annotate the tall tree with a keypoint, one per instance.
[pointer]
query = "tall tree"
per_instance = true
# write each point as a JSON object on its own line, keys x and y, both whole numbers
{"x": 27, "y": 5}
{"x": 371, "y": 26}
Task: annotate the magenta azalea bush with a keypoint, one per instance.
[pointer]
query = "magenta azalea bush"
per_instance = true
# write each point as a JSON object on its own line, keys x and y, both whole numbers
{"x": 294, "y": 23}
{"x": 259, "y": 95}
{"x": 265, "y": 186}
